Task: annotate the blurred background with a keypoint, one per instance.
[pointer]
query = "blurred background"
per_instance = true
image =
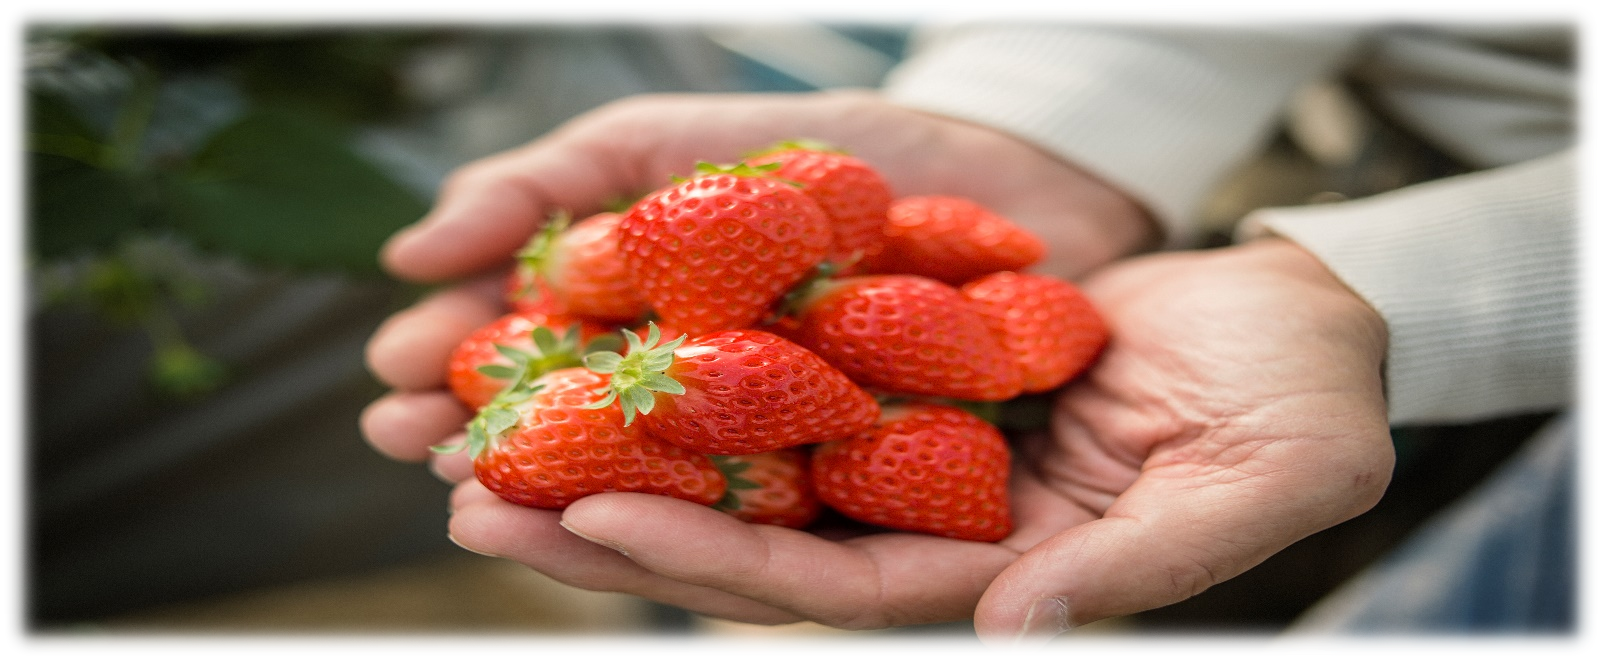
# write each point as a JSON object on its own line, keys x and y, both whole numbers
{"x": 204, "y": 206}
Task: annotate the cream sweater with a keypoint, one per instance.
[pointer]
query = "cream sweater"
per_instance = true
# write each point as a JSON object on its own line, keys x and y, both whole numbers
{"x": 1475, "y": 275}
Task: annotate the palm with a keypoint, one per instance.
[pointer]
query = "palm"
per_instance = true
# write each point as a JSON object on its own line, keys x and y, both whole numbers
{"x": 1227, "y": 418}
{"x": 1176, "y": 395}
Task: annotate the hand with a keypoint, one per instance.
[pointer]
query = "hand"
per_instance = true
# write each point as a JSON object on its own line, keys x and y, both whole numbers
{"x": 488, "y": 210}
{"x": 1238, "y": 410}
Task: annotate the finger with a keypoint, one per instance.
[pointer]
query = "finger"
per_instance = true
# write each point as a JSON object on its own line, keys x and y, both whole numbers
{"x": 626, "y": 148}
{"x": 487, "y": 210}
{"x": 1040, "y": 511}
{"x": 470, "y": 493}
{"x": 872, "y": 581}
{"x": 411, "y": 349}
{"x": 403, "y": 425}
{"x": 1167, "y": 538}
{"x": 491, "y": 209}
{"x": 454, "y": 467}
{"x": 535, "y": 538}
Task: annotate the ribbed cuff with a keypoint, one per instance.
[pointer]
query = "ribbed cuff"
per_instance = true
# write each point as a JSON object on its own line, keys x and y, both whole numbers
{"x": 1162, "y": 115}
{"x": 1476, "y": 277}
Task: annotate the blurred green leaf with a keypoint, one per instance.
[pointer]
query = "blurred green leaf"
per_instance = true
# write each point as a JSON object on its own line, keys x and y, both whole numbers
{"x": 84, "y": 194}
{"x": 345, "y": 75}
{"x": 286, "y": 189}
{"x": 121, "y": 291}
{"x": 74, "y": 207}
{"x": 42, "y": 125}
{"x": 280, "y": 185}
{"x": 179, "y": 371}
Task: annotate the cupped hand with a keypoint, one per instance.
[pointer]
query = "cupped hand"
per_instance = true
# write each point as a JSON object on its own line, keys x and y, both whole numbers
{"x": 488, "y": 209}
{"x": 1238, "y": 409}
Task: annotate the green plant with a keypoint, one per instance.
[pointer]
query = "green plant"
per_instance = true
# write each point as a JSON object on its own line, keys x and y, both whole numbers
{"x": 235, "y": 143}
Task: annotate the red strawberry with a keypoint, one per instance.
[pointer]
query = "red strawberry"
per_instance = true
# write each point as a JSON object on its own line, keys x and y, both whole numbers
{"x": 771, "y": 488}
{"x": 517, "y": 347}
{"x": 853, "y": 195}
{"x": 924, "y": 468}
{"x": 716, "y": 251}
{"x": 578, "y": 267}
{"x": 1049, "y": 327}
{"x": 733, "y": 392}
{"x": 545, "y": 445}
{"x": 905, "y": 334}
{"x": 952, "y": 239}
{"x": 525, "y": 293}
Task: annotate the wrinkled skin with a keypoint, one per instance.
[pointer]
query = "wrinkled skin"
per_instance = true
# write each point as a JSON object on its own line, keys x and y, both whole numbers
{"x": 1238, "y": 409}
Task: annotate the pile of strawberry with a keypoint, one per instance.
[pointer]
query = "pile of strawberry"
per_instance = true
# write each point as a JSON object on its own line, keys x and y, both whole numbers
{"x": 825, "y": 336}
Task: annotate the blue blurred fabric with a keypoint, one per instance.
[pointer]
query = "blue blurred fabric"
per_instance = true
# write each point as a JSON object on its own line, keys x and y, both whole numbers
{"x": 1502, "y": 560}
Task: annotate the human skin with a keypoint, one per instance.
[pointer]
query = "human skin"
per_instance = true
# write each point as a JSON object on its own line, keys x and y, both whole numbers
{"x": 1239, "y": 407}
{"x": 488, "y": 208}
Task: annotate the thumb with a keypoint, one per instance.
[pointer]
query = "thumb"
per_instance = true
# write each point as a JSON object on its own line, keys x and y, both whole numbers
{"x": 1167, "y": 539}
{"x": 1109, "y": 567}
{"x": 488, "y": 209}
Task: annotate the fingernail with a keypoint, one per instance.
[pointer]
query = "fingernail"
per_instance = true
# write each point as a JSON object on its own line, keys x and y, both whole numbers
{"x": 1047, "y": 618}
{"x": 603, "y": 542}
{"x": 463, "y": 546}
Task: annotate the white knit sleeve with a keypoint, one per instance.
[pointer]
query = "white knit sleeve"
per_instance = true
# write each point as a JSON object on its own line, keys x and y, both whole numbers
{"x": 1476, "y": 277}
{"x": 1163, "y": 114}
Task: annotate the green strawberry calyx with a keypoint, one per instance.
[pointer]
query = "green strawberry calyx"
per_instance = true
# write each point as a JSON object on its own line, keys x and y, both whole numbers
{"x": 498, "y": 416}
{"x": 766, "y": 171}
{"x": 638, "y": 375}
{"x": 799, "y": 144}
{"x": 732, "y": 467}
{"x": 493, "y": 421}
{"x": 539, "y": 255}
{"x": 551, "y": 353}
{"x": 799, "y": 297}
